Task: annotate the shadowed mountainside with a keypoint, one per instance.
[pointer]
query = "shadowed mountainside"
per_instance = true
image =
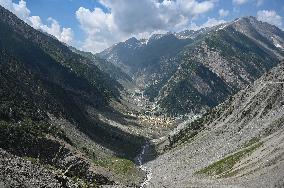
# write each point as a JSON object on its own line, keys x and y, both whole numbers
{"x": 50, "y": 102}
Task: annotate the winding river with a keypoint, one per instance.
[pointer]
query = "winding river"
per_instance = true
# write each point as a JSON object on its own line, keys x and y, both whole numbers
{"x": 140, "y": 161}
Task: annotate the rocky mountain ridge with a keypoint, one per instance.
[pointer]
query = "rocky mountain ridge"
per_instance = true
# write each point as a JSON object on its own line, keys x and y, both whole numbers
{"x": 229, "y": 54}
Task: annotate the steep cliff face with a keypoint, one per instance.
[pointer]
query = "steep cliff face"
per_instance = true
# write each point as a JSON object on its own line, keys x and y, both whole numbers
{"x": 238, "y": 143}
{"x": 222, "y": 60}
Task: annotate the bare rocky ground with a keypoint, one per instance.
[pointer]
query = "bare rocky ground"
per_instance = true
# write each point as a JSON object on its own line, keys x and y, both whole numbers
{"x": 17, "y": 172}
{"x": 241, "y": 147}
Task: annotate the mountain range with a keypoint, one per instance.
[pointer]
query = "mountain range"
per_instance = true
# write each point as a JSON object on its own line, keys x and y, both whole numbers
{"x": 194, "y": 70}
{"x": 189, "y": 109}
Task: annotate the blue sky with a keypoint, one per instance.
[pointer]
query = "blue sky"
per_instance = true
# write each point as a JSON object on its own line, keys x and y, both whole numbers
{"x": 63, "y": 11}
{"x": 93, "y": 25}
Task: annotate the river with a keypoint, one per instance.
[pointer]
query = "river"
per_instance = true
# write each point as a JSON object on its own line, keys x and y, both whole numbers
{"x": 140, "y": 161}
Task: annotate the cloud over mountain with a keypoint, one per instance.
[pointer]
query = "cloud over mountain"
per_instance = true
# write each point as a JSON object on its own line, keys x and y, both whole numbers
{"x": 271, "y": 17}
{"x": 128, "y": 17}
{"x": 94, "y": 25}
{"x": 53, "y": 28}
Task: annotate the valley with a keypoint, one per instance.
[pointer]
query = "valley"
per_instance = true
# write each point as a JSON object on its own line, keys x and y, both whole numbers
{"x": 205, "y": 148}
{"x": 200, "y": 108}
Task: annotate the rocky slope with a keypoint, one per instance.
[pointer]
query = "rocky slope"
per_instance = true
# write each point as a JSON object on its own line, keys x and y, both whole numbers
{"x": 194, "y": 70}
{"x": 17, "y": 172}
{"x": 51, "y": 101}
{"x": 237, "y": 144}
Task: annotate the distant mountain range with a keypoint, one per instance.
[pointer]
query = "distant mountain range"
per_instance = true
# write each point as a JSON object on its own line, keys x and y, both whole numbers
{"x": 194, "y": 70}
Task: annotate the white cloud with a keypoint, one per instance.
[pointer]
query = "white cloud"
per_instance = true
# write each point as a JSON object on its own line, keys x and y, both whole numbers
{"x": 137, "y": 18}
{"x": 240, "y": 2}
{"x": 209, "y": 23}
{"x": 212, "y": 22}
{"x": 270, "y": 16}
{"x": 35, "y": 22}
{"x": 99, "y": 28}
{"x": 66, "y": 35}
{"x": 21, "y": 10}
{"x": 223, "y": 13}
{"x": 62, "y": 34}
